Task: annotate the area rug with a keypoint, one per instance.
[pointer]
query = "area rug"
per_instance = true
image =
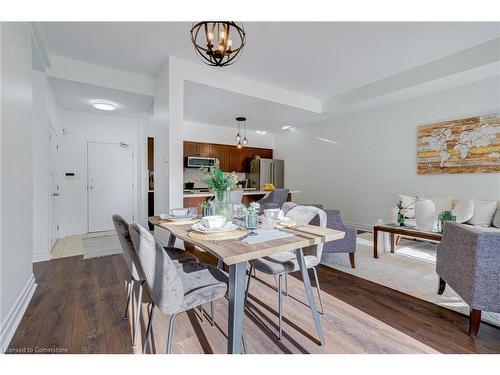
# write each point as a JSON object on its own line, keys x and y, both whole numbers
{"x": 410, "y": 270}
{"x": 96, "y": 246}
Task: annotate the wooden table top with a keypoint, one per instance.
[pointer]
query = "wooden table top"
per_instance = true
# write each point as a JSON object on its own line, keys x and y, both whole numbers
{"x": 234, "y": 251}
{"x": 409, "y": 231}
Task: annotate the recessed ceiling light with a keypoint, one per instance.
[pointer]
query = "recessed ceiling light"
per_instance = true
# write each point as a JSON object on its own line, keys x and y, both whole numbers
{"x": 261, "y": 132}
{"x": 104, "y": 106}
{"x": 286, "y": 127}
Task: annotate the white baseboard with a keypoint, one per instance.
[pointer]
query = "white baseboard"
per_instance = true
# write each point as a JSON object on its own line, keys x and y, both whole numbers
{"x": 361, "y": 226}
{"x": 13, "y": 318}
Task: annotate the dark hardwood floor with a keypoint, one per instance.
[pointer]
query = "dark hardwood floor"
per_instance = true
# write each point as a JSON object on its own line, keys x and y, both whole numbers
{"x": 79, "y": 304}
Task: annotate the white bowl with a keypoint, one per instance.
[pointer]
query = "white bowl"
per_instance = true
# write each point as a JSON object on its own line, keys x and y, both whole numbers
{"x": 179, "y": 212}
{"x": 213, "y": 222}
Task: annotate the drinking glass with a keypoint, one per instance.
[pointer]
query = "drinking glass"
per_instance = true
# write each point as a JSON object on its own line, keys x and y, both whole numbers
{"x": 193, "y": 211}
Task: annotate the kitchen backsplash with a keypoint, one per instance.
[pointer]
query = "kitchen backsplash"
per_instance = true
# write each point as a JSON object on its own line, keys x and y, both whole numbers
{"x": 195, "y": 175}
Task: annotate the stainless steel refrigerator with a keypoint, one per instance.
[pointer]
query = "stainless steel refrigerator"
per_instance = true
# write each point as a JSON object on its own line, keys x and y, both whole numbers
{"x": 263, "y": 171}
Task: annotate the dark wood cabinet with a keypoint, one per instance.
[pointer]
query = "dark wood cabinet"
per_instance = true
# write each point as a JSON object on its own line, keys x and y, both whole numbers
{"x": 231, "y": 158}
{"x": 219, "y": 152}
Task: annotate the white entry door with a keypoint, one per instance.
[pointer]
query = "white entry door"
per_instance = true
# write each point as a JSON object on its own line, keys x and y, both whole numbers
{"x": 110, "y": 184}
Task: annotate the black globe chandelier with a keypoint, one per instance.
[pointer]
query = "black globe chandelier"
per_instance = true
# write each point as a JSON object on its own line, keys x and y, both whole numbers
{"x": 218, "y": 43}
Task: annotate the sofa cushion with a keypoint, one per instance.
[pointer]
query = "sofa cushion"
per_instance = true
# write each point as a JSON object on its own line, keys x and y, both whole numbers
{"x": 483, "y": 212}
{"x": 463, "y": 210}
{"x": 408, "y": 202}
{"x": 496, "y": 218}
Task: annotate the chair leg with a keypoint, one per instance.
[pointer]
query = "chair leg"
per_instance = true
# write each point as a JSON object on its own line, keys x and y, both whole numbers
{"x": 474, "y": 322}
{"x": 244, "y": 342}
{"x": 170, "y": 333}
{"x": 137, "y": 313}
{"x": 149, "y": 327}
{"x": 319, "y": 291}
{"x": 248, "y": 284}
{"x": 280, "y": 307}
{"x": 442, "y": 286}
{"x": 351, "y": 259}
{"x": 286, "y": 284}
{"x": 130, "y": 285}
{"x": 212, "y": 313}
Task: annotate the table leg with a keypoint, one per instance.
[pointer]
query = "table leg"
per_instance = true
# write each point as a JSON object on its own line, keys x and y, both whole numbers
{"x": 391, "y": 238}
{"x": 375, "y": 242}
{"x": 237, "y": 273}
{"x": 310, "y": 297}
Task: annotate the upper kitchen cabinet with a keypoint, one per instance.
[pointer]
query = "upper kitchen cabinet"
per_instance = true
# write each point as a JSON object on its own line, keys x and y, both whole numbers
{"x": 231, "y": 158}
{"x": 219, "y": 152}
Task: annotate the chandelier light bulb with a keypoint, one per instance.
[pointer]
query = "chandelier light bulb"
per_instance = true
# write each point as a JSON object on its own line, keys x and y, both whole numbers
{"x": 229, "y": 43}
{"x": 245, "y": 141}
{"x": 238, "y": 137}
{"x": 239, "y": 145}
{"x": 222, "y": 35}
{"x": 210, "y": 37}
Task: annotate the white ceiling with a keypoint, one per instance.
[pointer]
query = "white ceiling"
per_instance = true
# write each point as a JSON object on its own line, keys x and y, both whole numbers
{"x": 79, "y": 96}
{"x": 211, "y": 105}
{"x": 318, "y": 59}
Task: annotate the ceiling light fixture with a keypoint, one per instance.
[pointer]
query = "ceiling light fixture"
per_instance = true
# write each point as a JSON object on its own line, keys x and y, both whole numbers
{"x": 286, "y": 127}
{"x": 213, "y": 44}
{"x": 241, "y": 142}
{"x": 104, "y": 105}
{"x": 261, "y": 132}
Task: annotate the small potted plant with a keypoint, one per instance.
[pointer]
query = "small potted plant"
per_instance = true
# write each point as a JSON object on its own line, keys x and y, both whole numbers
{"x": 220, "y": 183}
{"x": 402, "y": 210}
{"x": 250, "y": 214}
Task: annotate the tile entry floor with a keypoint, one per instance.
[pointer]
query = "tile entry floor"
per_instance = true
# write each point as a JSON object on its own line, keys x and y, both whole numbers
{"x": 70, "y": 246}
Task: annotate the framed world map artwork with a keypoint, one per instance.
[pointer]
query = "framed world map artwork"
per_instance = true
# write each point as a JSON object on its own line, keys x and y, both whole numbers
{"x": 469, "y": 145}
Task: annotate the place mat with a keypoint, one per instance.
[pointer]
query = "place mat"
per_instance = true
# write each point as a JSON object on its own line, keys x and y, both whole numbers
{"x": 235, "y": 234}
{"x": 266, "y": 235}
{"x": 182, "y": 222}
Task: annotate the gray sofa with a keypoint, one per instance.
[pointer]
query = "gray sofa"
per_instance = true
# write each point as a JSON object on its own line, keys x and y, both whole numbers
{"x": 346, "y": 244}
{"x": 468, "y": 259}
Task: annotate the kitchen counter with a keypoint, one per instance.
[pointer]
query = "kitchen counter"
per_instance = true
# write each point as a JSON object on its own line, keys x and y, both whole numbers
{"x": 245, "y": 192}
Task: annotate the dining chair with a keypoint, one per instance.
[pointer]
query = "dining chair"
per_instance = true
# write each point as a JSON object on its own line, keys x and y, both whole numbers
{"x": 136, "y": 274}
{"x": 174, "y": 289}
{"x": 275, "y": 199}
{"x": 284, "y": 263}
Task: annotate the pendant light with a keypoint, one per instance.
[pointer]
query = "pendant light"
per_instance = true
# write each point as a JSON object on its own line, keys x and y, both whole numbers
{"x": 239, "y": 141}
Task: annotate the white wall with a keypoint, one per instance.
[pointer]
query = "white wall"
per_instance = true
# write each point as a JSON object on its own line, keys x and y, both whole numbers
{"x": 374, "y": 157}
{"x": 198, "y": 132}
{"x": 17, "y": 281}
{"x": 88, "y": 127}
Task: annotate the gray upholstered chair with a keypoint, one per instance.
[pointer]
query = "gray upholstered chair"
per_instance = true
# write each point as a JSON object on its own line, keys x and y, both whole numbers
{"x": 282, "y": 264}
{"x": 174, "y": 288}
{"x": 334, "y": 221}
{"x": 468, "y": 259}
{"x": 136, "y": 274}
{"x": 275, "y": 199}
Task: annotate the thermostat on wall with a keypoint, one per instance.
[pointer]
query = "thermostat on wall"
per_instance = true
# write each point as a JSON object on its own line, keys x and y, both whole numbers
{"x": 70, "y": 174}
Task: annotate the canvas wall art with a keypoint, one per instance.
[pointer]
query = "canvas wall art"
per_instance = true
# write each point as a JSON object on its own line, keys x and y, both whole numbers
{"x": 469, "y": 145}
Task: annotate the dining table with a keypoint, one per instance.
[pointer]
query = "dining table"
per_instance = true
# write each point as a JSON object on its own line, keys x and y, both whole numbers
{"x": 236, "y": 253}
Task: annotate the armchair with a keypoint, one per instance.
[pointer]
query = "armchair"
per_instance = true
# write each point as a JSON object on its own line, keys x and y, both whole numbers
{"x": 468, "y": 259}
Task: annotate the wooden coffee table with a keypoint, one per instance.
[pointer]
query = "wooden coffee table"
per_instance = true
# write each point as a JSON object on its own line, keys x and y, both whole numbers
{"x": 403, "y": 231}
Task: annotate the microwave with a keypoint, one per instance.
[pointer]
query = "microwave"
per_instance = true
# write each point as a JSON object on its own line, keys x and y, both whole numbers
{"x": 199, "y": 162}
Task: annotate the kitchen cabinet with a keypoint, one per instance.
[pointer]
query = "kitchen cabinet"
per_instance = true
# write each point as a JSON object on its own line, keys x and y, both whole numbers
{"x": 219, "y": 152}
{"x": 231, "y": 158}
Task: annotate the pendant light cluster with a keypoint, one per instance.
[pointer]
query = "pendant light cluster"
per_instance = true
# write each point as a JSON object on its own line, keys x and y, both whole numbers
{"x": 218, "y": 43}
{"x": 240, "y": 142}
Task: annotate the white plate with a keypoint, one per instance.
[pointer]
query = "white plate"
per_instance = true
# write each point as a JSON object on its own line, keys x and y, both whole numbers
{"x": 176, "y": 218}
{"x": 226, "y": 228}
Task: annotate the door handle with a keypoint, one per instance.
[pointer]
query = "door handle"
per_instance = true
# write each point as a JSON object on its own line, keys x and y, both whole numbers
{"x": 55, "y": 194}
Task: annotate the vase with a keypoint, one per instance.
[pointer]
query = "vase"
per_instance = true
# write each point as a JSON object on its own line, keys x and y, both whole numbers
{"x": 222, "y": 203}
{"x": 251, "y": 221}
{"x": 424, "y": 214}
{"x": 401, "y": 219}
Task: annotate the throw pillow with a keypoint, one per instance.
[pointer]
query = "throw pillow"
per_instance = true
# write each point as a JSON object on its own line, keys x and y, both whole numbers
{"x": 483, "y": 212}
{"x": 410, "y": 203}
{"x": 463, "y": 210}
{"x": 496, "y": 218}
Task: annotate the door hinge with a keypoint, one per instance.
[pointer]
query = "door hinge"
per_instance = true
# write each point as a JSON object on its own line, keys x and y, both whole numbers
{"x": 57, "y": 147}
{"x": 57, "y": 227}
